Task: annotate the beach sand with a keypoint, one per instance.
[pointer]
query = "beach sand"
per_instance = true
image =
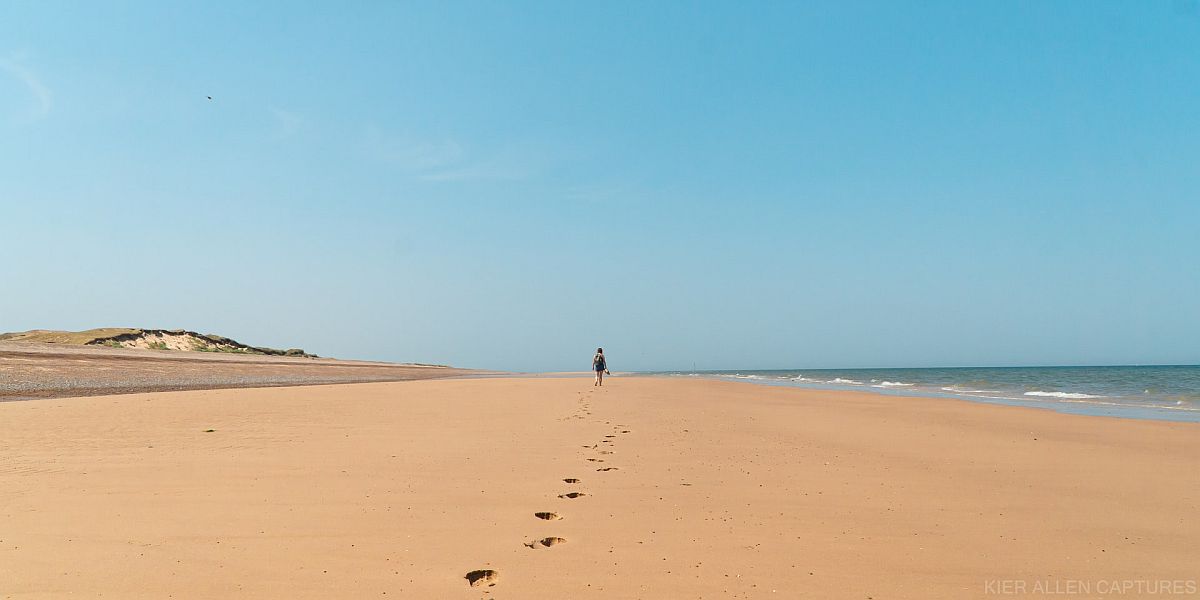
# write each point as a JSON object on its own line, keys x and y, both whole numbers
{"x": 716, "y": 490}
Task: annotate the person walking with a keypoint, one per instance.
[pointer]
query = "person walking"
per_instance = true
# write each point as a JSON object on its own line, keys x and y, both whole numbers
{"x": 600, "y": 366}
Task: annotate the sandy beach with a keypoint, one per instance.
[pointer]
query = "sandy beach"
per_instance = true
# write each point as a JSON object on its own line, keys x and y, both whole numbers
{"x": 686, "y": 489}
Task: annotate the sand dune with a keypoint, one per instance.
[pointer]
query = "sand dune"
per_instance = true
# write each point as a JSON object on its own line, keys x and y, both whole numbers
{"x": 550, "y": 488}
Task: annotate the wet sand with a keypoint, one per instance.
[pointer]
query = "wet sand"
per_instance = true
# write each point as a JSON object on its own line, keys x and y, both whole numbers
{"x": 37, "y": 370}
{"x": 687, "y": 489}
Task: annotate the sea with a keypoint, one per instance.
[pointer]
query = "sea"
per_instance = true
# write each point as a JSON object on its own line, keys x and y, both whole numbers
{"x": 1170, "y": 393}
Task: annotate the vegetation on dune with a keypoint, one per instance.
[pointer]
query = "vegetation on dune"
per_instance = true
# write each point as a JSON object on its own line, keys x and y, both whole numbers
{"x": 155, "y": 339}
{"x": 89, "y": 336}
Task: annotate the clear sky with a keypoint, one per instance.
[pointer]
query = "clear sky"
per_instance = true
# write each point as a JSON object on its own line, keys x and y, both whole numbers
{"x": 509, "y": 185}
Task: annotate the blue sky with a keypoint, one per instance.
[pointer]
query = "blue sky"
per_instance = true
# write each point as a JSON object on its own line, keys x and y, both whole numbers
{"x": 510, "y": 185}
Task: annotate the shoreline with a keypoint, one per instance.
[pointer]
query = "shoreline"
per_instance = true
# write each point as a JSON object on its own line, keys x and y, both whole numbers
{"x": 1065, "y": 404}
{"x": 36, "y": 371}
{"x": 682, "y": 488}
{"x": 933, "y": 397}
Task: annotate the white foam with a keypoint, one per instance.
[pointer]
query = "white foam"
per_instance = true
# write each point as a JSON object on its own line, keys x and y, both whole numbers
{"x": 958, "y": 390}
{"x": 1074, "y": 395}
{"x": 846, "y": 381}
{"x": 887, "y": 384}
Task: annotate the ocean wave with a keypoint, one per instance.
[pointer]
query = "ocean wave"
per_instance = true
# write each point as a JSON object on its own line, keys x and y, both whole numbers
{"x": 845, "y": 381}
{"x": 887, "y": 384}
{"x": 1073, "y": 395}
{"x": 958, "y": 390}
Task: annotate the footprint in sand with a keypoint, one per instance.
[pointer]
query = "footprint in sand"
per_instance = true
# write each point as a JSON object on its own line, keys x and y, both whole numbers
{"x": 483, "y": 577}
{"x": 570, "y": 480}
{"x": 547, "y": 516}
{"x": 596, "y": 459}
{"x": 572, "y": 495}
{"x": 607, "y": 469}
{"x": 545, "y": 542}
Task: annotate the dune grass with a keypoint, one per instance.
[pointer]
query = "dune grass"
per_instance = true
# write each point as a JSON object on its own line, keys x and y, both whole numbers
{"x": 66, "y": 337}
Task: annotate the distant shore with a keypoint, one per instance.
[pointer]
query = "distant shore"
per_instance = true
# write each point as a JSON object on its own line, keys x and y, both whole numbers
{"x": 548, "y": 487}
